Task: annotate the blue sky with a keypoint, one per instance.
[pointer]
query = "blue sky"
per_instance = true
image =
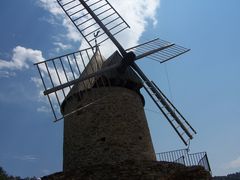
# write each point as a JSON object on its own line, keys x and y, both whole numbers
{"x": 204, "y": 83}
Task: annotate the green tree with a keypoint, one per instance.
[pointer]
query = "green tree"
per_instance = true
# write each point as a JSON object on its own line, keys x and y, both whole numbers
{"x": 3, "y": 174}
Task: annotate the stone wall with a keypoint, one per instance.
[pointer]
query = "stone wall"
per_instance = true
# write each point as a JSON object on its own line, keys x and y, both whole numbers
{"x": 110, "y": 130}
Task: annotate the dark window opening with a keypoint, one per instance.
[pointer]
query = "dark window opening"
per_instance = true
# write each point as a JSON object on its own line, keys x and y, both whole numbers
{"x": 103, "y": 139}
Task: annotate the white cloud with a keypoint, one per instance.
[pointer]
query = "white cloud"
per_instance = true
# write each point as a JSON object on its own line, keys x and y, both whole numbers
{"x": 41, "y": 98}
{"x": 29, "y": 158}
{"x": 7, "y": 74}
{"x": 37, "y": 81}
{"x": 137, "y": 13}
{"x": 46, "y": 171}
{"x": 72, "y": 32}
{"x": 61, "y": 46}
{"x": 21, "y": 58}
{"x": 53, "y": 7}
{"x": 51, "y": 20}
{"x": 44, "y": 109}
{"x": 234, "y": 163}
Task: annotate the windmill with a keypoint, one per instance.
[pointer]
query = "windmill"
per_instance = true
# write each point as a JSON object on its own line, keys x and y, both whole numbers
{"x": 83, "y": 83}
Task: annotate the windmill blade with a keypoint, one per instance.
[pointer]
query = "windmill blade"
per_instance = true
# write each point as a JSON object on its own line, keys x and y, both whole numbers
{"x": 94, "y": 18}
{"x": 158, "y": 50}
{"x": 174, "y": 117}
{"x": 59, "y": 74}
{"x": 98, "y": 73}
{"x": 102, "y": 25}
{"x": 184, "y": 130}
{"x": 149, "y": 53}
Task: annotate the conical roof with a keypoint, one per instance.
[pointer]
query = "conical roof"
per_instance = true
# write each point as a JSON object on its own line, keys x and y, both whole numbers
{"x": 93, "y": 66}
{"x": 129, "y": 75}
{"x": 98, "y": 62}
{"x": 129, "y": 79}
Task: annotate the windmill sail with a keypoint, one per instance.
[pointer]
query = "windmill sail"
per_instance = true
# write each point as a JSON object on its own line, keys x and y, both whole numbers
{"x": 98, "y": 21}
{"x": 87, "y": 14}
{"x": 168, "y": 51}
{"x": 174, "y": 117}
{"x": 58, "y": 75}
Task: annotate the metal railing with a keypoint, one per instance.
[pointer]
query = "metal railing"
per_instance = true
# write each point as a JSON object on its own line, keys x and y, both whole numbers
{"x": 182, "y": 156}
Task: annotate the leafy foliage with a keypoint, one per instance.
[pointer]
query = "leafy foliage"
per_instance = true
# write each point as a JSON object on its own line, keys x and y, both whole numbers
{"x": 234, "y": 176}
{"x": 5, "y": 176}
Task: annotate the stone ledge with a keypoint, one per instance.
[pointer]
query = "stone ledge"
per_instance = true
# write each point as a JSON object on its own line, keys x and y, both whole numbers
{"x": 129, "y": 170}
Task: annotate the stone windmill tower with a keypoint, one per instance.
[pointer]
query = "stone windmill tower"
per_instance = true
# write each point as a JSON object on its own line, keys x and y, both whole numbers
{"x": 112, "y": 130}
{"x": 100, "y": 99}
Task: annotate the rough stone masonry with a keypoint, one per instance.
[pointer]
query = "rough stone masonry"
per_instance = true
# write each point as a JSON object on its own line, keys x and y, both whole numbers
{"x": 110, "y": 131}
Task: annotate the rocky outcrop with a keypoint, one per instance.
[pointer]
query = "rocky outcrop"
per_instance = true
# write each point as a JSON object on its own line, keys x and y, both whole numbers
{"x": 132, "y": 170}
